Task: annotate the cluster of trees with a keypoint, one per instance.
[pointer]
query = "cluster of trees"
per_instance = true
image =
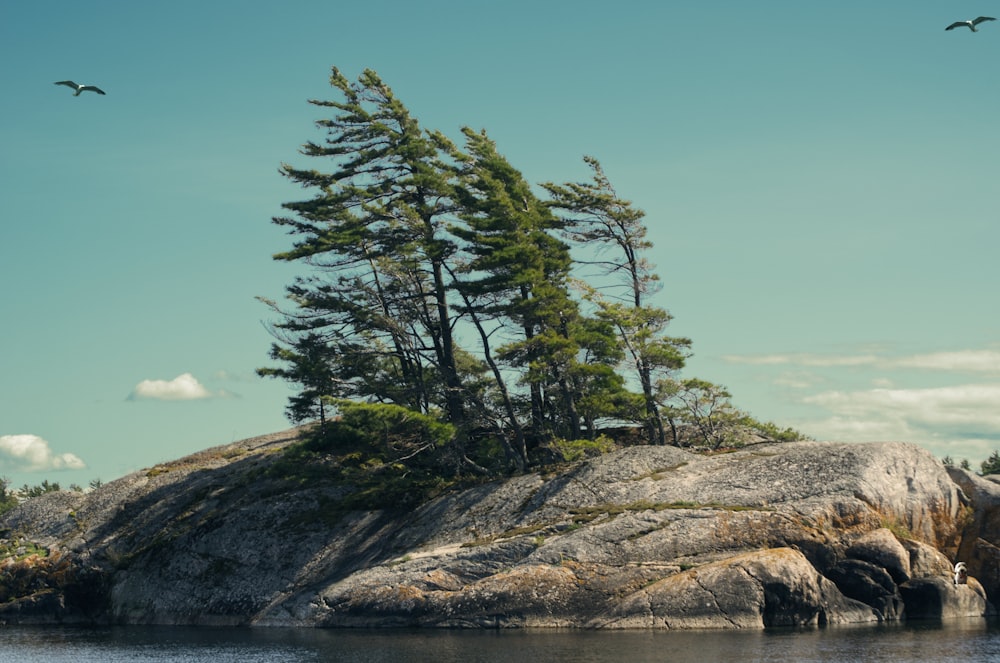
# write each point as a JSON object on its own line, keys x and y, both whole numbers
{"x": 10, "y": 497}
{"x": 441, "y": 282}
{"x": 989, "y": 466}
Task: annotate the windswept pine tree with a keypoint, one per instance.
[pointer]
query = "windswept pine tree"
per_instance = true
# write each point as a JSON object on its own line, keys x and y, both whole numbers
{"x": 613, "y": 231}
{"x": 375, "y": 231}
{"x": 519, "y": 271}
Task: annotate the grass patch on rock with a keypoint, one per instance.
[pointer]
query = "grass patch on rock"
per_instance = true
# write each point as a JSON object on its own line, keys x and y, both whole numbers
{"x": 588, "y": 514}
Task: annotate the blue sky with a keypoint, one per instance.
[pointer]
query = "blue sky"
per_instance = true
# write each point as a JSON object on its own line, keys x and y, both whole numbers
{"x": 819, "y": 181}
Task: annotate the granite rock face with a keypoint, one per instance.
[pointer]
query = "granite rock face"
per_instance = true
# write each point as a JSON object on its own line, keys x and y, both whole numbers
{"x": 646, "y": 537}
{"x": 776, "y": 587}
{"x": 980, "y": 547}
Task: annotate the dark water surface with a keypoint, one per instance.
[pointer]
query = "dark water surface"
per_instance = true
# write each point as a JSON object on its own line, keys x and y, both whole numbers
{"x": 972, "y": 641}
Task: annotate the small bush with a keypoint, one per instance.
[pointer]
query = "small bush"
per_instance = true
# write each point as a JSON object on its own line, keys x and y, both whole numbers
{"x": 7, "y": 498}
{"x": 573, "y": 450}
{"x": 377, "y": 456}
{"x": 390, "y": 431}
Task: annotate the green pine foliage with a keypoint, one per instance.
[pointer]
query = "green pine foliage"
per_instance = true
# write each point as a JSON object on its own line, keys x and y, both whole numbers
{"x": 374, "y": 456}
{"x": 991, "y": 465}
{"x": 27, "y": 492}
{"x": 457, "y": 316}
{"x": 8, "y": 500}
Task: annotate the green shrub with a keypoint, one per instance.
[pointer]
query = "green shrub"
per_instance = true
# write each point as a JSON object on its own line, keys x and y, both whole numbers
{"x": 377, "y": 456}
{"x": 7, "y": 499}
{"x": 390, "y": 430}
{"x": 991, "y": 465}
{"x": 573, "y": 450}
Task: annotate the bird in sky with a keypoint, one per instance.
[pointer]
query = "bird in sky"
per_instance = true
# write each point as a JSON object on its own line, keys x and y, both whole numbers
{"x": 970, "y": 24}
{"x": 80, "y": 88}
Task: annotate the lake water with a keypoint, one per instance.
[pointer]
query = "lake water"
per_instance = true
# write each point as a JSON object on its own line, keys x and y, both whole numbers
{"x": 972, "y": 641}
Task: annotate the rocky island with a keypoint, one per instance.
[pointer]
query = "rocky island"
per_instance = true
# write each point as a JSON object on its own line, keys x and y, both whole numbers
{"x": 790, "y": 534}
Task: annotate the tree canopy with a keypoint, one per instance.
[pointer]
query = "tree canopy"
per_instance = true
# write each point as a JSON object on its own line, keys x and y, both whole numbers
{"x": 440, "y": 281}
{"x": 992, "y": 464}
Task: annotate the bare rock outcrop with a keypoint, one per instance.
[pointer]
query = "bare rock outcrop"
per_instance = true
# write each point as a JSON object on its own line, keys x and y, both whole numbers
{"x": 937, "y": 598}
{"x": 980, "y": 543}
{"x": 654, "y": 537}
{"x": 777, "y": 587}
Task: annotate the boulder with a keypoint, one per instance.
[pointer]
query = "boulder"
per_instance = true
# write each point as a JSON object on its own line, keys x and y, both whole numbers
{"x": 869, "y": 583}
{"x": 776, "y": 587}
{"x": 881, "y": 548}
{"x": 926, "y": 560}
{"x": 939, "y": 599}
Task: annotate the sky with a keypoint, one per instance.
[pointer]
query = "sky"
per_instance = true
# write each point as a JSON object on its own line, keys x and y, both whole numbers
{"x": 819, "y": 182}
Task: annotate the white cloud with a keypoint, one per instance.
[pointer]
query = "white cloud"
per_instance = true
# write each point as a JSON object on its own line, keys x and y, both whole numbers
{"x": 30, "y": 453}
{"x": 229, "y": 376}
{"x": 961, "y": 420}
{"x": 971, "y": 361}
{"x": 968, "y": 407}
{"x": 798, "y": 380}
{"x": 803, "y": 359}
{"x": 852, "y": 429}
{"x": 884, "y": 400}
{"x": 959, "y": 361}
{"x": 184, "y": 387}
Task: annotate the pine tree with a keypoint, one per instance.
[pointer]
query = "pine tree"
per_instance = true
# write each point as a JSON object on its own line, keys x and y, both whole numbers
{"x": 310, "y": 362}
{"x": 375, "y": 232}
{"x": 991, "y": 465}
{"x": 597, "y": 216}
{"x": 518, "y": 275}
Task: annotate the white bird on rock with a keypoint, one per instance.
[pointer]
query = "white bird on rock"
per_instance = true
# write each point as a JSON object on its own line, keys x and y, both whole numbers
{"x": 80, "y": 88}
{"x": 961, "y": 574}
{"x": 970, "y": 24}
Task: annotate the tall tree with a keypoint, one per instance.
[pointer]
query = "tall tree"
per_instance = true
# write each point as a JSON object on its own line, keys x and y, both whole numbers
{"x": 598, "y": 217}
{"x": 375, "y": 230}
{"x": 518, "y": 273}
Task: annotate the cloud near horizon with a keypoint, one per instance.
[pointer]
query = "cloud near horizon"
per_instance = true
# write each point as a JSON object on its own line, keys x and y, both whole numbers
{"x": 961, "y": 420}
{"x": 184, "y": 387}
{"x": 30, "y": 453}
{"x": 962, "y": 409}
{"x": 962, "y": 361}
{"x": 897, "y": 403}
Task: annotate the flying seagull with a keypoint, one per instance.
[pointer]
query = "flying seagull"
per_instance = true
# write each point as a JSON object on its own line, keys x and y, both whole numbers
{"x": 80, "y": 88}
{"x": 970, "y": 24}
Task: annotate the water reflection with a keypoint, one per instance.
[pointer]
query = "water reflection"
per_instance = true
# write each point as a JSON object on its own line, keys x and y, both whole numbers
{"x": 971, "y": 641}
